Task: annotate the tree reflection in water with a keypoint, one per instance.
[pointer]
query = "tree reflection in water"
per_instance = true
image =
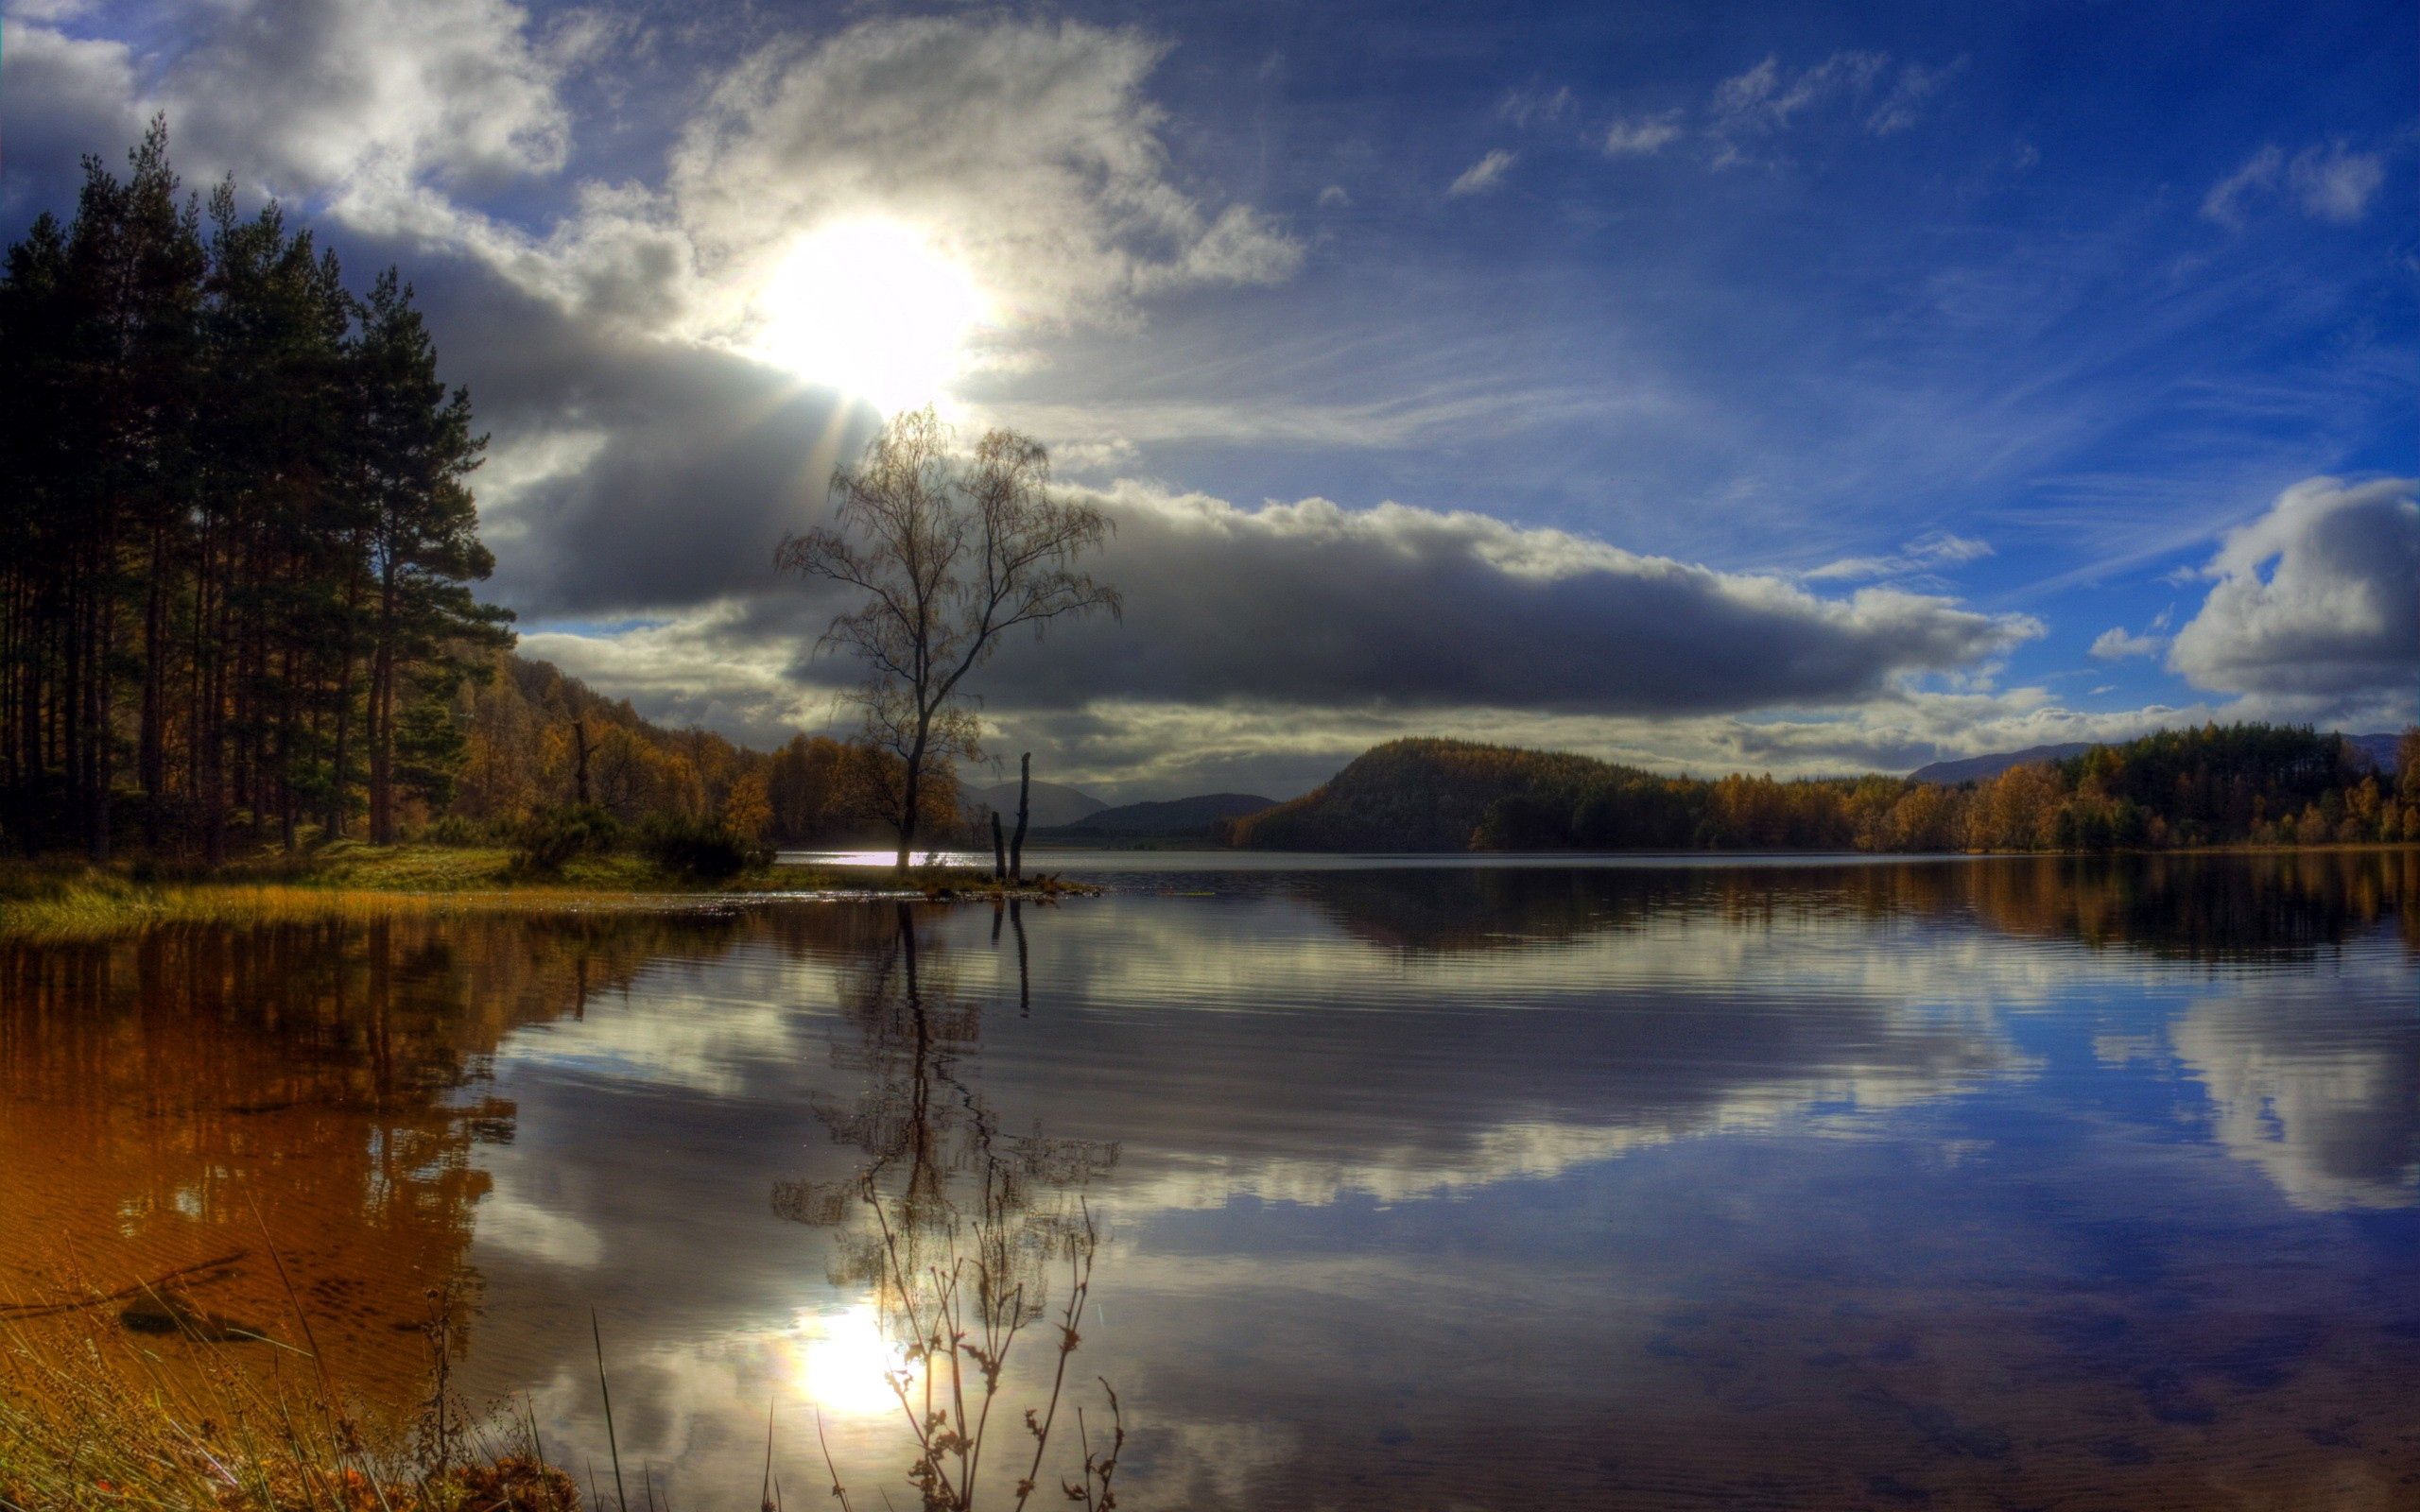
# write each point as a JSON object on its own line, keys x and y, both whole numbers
{"x": 2282, "y": 906}
{"x": 958, "y": 1227}
{"x": 191, "y": 1095}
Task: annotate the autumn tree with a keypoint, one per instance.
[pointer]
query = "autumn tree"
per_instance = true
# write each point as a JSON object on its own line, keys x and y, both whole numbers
{"x": 748, "y": 808}
{"x": 945, "y": 553}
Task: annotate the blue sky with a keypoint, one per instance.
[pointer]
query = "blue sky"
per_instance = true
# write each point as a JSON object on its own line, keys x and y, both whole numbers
{"x": 1869, "y": 366}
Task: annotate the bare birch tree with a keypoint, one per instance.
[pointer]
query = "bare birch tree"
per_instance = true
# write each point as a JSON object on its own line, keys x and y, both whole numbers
{"x": 950, "y": 551}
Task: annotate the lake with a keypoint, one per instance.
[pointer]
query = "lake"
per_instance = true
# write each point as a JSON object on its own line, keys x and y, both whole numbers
{"x": 1427, "y": 1184}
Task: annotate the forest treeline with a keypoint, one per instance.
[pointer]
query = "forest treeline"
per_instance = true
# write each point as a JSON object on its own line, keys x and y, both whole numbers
{"x": 237, "y": 569}
{"x": 237, "y": 558}
{"x": 524, "y": 726}
{"x": 2257, "y": 784}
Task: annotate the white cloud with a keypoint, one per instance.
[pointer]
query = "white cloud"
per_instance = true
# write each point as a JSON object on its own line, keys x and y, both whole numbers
{"x": 308, "y": 95}
{"x": 2332, "y": 184}
{"x": 1768, "y": 98}
{"x": 1535, "y": 105}
{"x": 1026, "y": 151}
{"x": 1456, "y": 410}
{"x": 1334, "y": 197}
{"x": 64, "y": 95}
{"x": 2337, "y": 185}
{"x": 700, "y": 669}
{"x": 2117, "y": 643}
{"x": 2225, "y": 202}
{"x": 1642, "y": 136}
{"x": 1936, "y": 549}
{"x": 1485, "y": 175}
{"x": 2338, "y": 615}
{"x": 380, "y": 112}
{"x": 1901, "y": 107}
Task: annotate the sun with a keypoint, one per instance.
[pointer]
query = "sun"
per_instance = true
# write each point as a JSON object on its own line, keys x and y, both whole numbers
{"x": 871, "y": 307}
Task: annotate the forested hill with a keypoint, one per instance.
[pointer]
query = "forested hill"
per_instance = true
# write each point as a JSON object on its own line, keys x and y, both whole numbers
{"x": 1432, "y": 795}
{"x": 520, "y": 728}
{"x": 2216, "y": 785}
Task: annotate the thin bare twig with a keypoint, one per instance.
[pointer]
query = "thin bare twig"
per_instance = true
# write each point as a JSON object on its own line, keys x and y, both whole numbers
{"x": 620, "y": 1498}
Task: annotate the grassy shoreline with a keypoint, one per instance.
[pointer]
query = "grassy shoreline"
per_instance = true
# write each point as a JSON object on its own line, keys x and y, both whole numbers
{"x": 71, "y": 901}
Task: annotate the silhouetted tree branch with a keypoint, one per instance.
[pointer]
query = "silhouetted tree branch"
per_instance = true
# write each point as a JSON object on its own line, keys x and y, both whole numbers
{"x": 949, "y": 552}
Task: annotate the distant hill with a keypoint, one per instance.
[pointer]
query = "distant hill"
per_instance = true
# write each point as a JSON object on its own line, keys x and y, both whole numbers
{"x": 2380, "y": 749}
{"x": 2262, "y": 784}
{"x": 1197, "y": 815}
{"x": 1420, "y": 795}
{"x": 1977, "y": 768}
{"x": 1053, "y": 803}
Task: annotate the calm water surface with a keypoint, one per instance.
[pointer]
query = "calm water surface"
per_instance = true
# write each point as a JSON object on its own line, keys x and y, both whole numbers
{"x": 1962, "y": 1183}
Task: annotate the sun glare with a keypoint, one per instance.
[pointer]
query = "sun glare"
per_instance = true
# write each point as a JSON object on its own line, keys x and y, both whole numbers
{"x": 842, "y": 1361}
{"x": 870, "y": 307}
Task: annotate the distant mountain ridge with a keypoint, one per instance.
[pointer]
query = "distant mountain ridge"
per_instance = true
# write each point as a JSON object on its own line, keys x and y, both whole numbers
{"x": 2378, "y": 748}
{"x": 1199, "y": 815}
{"x": 1052, "y": 804}
{"x": 1978, "y": 768}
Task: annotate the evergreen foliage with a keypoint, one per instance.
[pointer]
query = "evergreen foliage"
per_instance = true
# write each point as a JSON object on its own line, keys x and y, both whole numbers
{"x": 237, "y": 558}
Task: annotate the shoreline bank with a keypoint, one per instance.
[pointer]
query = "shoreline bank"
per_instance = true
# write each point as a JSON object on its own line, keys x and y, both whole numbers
{"x": 66, "y": 901}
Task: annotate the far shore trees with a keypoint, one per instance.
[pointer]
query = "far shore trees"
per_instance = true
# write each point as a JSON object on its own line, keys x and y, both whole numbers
{"x": 948, "y": 552}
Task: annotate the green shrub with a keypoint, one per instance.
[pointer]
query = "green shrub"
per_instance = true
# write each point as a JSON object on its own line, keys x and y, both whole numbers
{"x": 549, "y": 839}
{"x": 458, "y": 831}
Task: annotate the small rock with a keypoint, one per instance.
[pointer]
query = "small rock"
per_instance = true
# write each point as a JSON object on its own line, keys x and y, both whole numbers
{"x": 171, "y": 1312}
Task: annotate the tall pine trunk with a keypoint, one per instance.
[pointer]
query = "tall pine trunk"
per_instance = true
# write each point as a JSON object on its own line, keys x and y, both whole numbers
{"x": 382, "y": 714}
{"x": 97, "y": 708}
{"x": 152, "y": 758}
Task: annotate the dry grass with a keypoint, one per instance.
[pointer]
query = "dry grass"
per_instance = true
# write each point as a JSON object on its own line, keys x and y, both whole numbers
{"x": 68, "y": 902}
{"x": 92, "y": 1417}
